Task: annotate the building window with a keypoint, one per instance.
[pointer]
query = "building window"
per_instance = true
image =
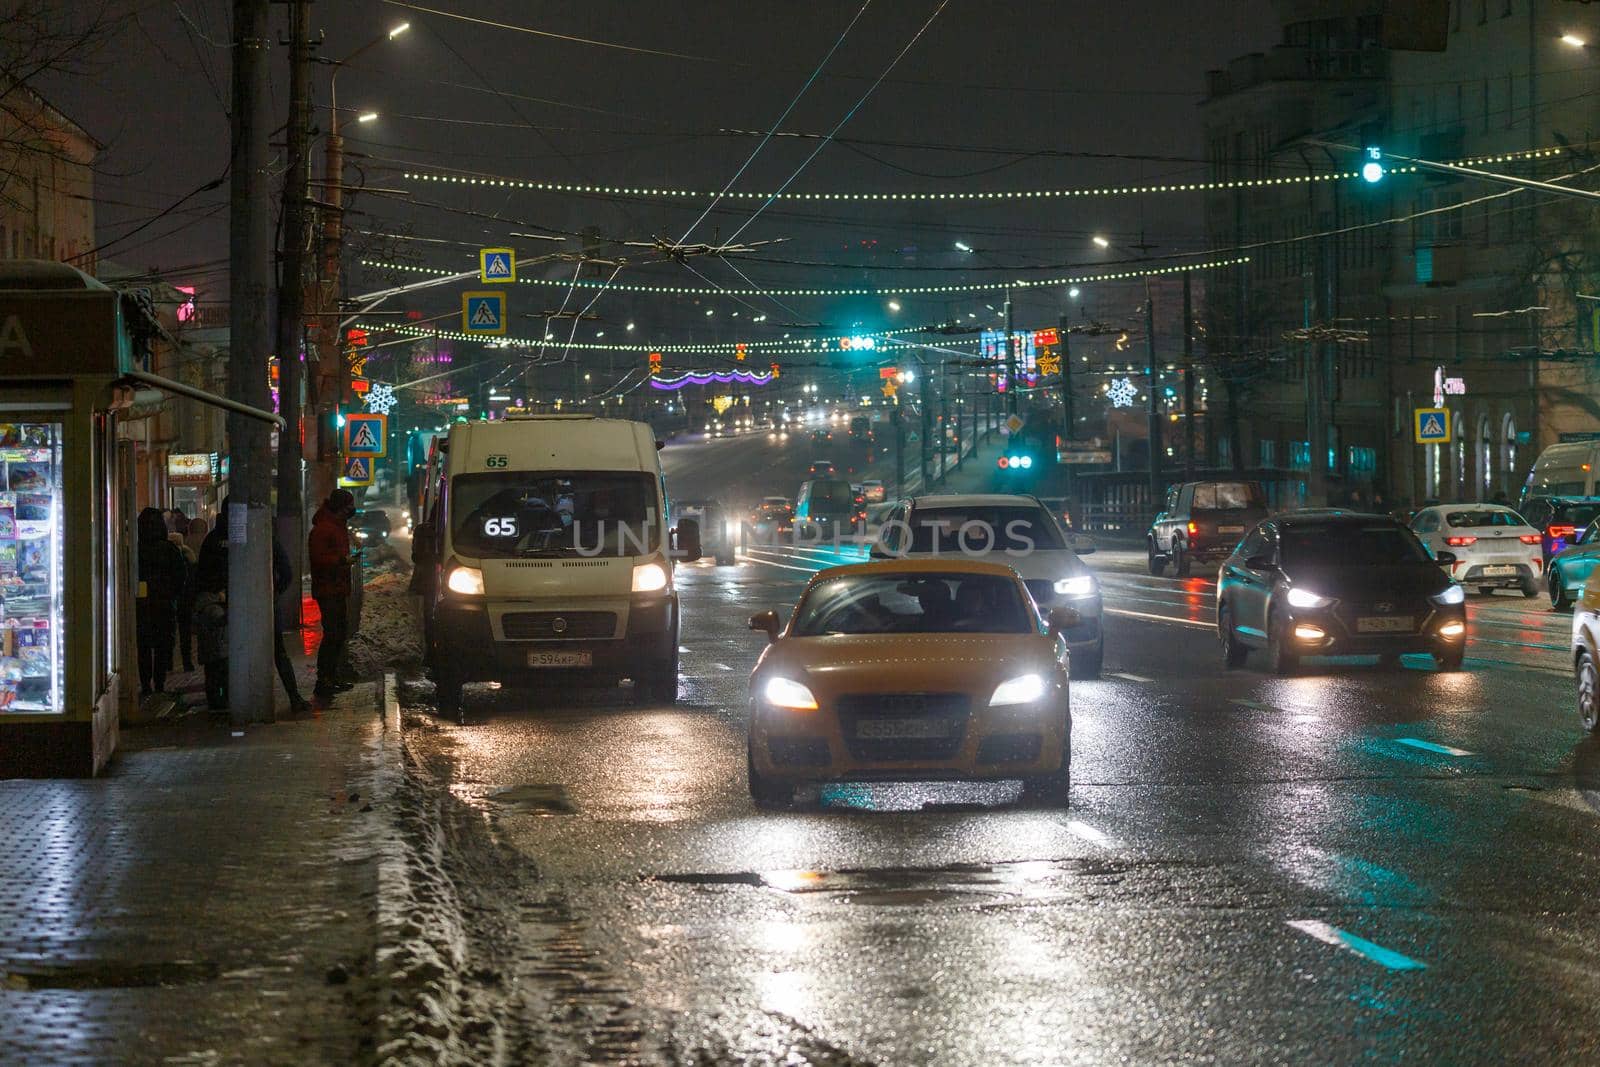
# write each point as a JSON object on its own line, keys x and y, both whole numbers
{"x": 1485, "y": 459}
{"x": 1300, "y": 455}
{"x": 1508, "y": 453}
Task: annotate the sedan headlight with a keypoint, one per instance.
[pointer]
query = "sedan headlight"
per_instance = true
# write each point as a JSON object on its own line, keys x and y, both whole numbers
{"x": 1080, "y": 585}
{"x": 649, "y": 578}
{"x": 1453, "y": 595}
{"x": 786, "y": 693}
{"x": 1305, "y": 598}
{"x": 1023, "y": 689}
{"x": 468, "y": 581}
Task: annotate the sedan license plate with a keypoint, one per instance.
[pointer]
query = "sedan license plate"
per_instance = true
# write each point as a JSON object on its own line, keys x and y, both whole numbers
{"x": 1383, "y": 625}
{"x": 560, "y": 659}
{"x": 1230, "y": 529}
{"x": 904, "y": 729}
{"x": 1499, "y": 571}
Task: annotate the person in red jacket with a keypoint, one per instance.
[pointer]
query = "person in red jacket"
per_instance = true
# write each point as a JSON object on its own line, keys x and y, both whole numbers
{"x": 329, "y": 549}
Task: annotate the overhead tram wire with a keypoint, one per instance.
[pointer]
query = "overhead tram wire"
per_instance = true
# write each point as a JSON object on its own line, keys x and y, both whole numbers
{"x": 751, "y": 158}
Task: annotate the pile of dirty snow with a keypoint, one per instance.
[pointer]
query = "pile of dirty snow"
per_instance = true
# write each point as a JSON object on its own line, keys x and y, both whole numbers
{"x": 390, "y": 638}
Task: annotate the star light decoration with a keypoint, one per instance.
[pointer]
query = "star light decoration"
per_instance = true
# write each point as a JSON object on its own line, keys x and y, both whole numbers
{"x": 381, "y": 399}
{"x": 1121, "y": 392}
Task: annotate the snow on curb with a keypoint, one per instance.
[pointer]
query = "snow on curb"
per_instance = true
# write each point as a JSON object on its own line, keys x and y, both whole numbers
{"x": 422, "y": 950}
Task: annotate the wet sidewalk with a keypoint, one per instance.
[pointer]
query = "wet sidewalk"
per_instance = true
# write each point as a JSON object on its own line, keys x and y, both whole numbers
{"x": 210, "y": 899}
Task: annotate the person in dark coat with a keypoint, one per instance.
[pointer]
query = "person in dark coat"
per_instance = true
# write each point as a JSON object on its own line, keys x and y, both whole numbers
{"x": 162, "y": 576}
{"x": 211, "y": 613}
{"x": 329, "y": 549}
{"x": 282, "y": 575}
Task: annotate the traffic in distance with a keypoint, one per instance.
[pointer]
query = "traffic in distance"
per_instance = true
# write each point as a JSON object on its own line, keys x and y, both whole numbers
{"x": 937, "y": 635}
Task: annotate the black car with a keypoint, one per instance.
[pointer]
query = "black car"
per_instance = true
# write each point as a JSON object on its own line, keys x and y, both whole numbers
{"x": 1559, "y": 520}
{"x": 369, "y": 528}
{"x": 1334, "y": 584}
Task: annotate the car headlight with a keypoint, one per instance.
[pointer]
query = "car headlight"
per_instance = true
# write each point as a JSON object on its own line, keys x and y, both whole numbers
{"x": 1023, "y": 689}
{"x": 786, "y": 693}
{"x": 1453, "y": 595}
{"x": 1305, "y": 598}
{"x": 649, "y": 578}
{"x": 1080, "y": 585}
{"x": 361, "y": 535}
{"x": 468, "y": 581}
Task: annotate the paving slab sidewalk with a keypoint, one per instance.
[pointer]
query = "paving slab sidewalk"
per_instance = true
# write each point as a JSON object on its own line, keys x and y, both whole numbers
{"x": 211, "y": 899}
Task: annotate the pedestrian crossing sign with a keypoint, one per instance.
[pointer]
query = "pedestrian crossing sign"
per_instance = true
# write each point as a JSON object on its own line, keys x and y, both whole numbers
{"x": 497, "y": 265}
{"x": 366, "y": 435}
{"x": 483, "y": 314}
{"x": 358, "y": 471}
{"x": 1432, "y": 426}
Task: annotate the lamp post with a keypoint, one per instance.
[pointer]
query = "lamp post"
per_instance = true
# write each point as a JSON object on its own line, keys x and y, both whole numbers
{"x": 1153, "y": 411}
{"x": 331, "y": 377}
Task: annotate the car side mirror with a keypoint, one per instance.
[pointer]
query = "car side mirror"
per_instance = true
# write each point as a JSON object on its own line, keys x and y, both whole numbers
{"x": 688, "y": 540}
{"x": 1261, "y": 563}
{"x": 1082, "y": 545}
{"x": 1063, "y": 619}
{"x": 1444, "y": 559}
{"x": 767, "y": 622}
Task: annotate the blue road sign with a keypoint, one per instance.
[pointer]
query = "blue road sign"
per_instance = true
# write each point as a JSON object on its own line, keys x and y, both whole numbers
{"x": 1431, "y": 426}
{"x": 366, "y": 435}
{"x": 483, "y": 314}
{"x": 497, "y": 265}
{"x": 357, "y": 471}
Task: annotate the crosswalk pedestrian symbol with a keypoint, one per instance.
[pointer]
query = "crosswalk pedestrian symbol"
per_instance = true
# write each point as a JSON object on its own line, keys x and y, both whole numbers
{"x": 366, "y": 435}
{"x": 357, "y": 471}
{"x": 1431, "y": 426}
{"x": 497, "y": 265}
{"x": 483, "y": 313}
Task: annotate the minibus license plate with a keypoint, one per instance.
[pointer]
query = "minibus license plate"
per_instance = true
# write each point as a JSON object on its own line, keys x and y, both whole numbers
{"x": 560, "y": 659}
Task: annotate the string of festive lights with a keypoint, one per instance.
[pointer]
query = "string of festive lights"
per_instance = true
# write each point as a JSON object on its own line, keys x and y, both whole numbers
{"x": 765, "y": 349}
{"x": 735, "y": 377}
{"x": 498, "y": 182}
{"x": 888, "y": 290}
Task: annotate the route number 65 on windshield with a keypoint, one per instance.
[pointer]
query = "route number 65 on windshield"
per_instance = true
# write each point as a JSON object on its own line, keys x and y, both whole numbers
{"x": 506, "y": 527}
{"x": 497, "y": 462}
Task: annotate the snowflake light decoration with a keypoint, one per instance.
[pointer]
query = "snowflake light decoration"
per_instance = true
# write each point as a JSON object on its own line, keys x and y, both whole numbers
{"x": 1121, "y": 392}
{"x": 380, "y": 398}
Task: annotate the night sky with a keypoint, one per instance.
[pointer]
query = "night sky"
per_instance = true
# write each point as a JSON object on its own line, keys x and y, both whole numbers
{"x": 1021, "y": 77}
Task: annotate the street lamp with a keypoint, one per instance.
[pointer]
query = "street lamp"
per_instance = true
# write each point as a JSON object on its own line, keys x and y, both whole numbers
{"x": 1101, "y": 241}
{"x": 1153, "y": 414}
{"x": 962, "y": 246}
{"x": 367, "y": 116}
{"x": 1573, "y": 40}
{"x": 894, "y": 305}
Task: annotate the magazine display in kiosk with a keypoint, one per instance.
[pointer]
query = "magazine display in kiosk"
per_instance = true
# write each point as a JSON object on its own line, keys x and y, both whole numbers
{"x": 31, "y": 532}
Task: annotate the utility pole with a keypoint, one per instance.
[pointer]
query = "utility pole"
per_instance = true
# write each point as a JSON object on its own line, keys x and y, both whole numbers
{"x": 291, "y": 305}
{"x": 1154, "y": 420}
{"x": 250, "y": 294}
{"x": 1011, "y": 357}
{"x": 1188, "y": 380}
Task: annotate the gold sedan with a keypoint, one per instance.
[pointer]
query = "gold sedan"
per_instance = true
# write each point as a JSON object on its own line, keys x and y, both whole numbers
{"x": 912, "y": 670}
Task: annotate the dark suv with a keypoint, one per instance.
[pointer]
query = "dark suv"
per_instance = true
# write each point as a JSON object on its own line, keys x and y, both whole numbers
{"x": 1202, "y": 520}
{"x": 1559, "y": 520}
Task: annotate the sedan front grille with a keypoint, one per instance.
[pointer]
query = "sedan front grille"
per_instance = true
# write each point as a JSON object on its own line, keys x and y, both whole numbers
{"x": 558, "y": 625}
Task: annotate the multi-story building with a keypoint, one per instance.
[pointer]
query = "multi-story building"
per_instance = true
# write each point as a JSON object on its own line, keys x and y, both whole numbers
{"x": 1366, "y": 302}
{"x": 46, "y": 184}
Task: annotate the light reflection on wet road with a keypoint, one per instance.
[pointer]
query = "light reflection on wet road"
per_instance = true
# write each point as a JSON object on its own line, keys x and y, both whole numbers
{"x": 1364, "y": 862}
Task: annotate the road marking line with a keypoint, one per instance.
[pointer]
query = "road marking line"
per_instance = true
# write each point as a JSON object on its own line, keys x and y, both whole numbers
{"x": 1159, "y": 618}
{"x": 1570, "y": 799}
{"x": 1429, "y": 746}
{"x": 1130, "y": 677}
{"x": 1338, "y": 938}
{"x": 1256, "y": 706}
{"x": 783, "y": 566}
{"x": 1079, "y": 828}
{"x": 722, "y": 667}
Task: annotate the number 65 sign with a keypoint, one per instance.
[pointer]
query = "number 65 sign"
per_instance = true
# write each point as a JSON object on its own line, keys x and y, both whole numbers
{"x": 497, "y": 527}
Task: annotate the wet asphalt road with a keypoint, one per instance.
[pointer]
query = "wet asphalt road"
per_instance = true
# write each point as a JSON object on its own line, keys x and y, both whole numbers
{"x": 1349, "y": 864}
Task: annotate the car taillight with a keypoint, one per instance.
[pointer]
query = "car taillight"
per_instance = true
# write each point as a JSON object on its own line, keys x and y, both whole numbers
{"x": 1460, "y": 542}
{"x": 1194, "y": 528}
{"x": 1529, "y": 539}
{"x": 1560, "y": 531}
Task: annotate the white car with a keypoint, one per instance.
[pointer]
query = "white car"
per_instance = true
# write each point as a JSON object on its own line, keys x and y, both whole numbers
{"x": 1493, "y": 546}
{"x": 1019, "y": 532}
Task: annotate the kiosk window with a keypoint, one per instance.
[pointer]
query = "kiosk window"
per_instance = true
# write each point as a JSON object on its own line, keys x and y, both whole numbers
{"x": 31, "y": 603}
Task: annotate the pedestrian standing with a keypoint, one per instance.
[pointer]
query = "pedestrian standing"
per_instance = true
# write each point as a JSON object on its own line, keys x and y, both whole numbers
{"x": 331, "y": 559}
{"x": 282, "y": 576}
{"x": 161, "y": 578}
{"x": 186, "y": 600}
{"x": 211, "y": 614}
